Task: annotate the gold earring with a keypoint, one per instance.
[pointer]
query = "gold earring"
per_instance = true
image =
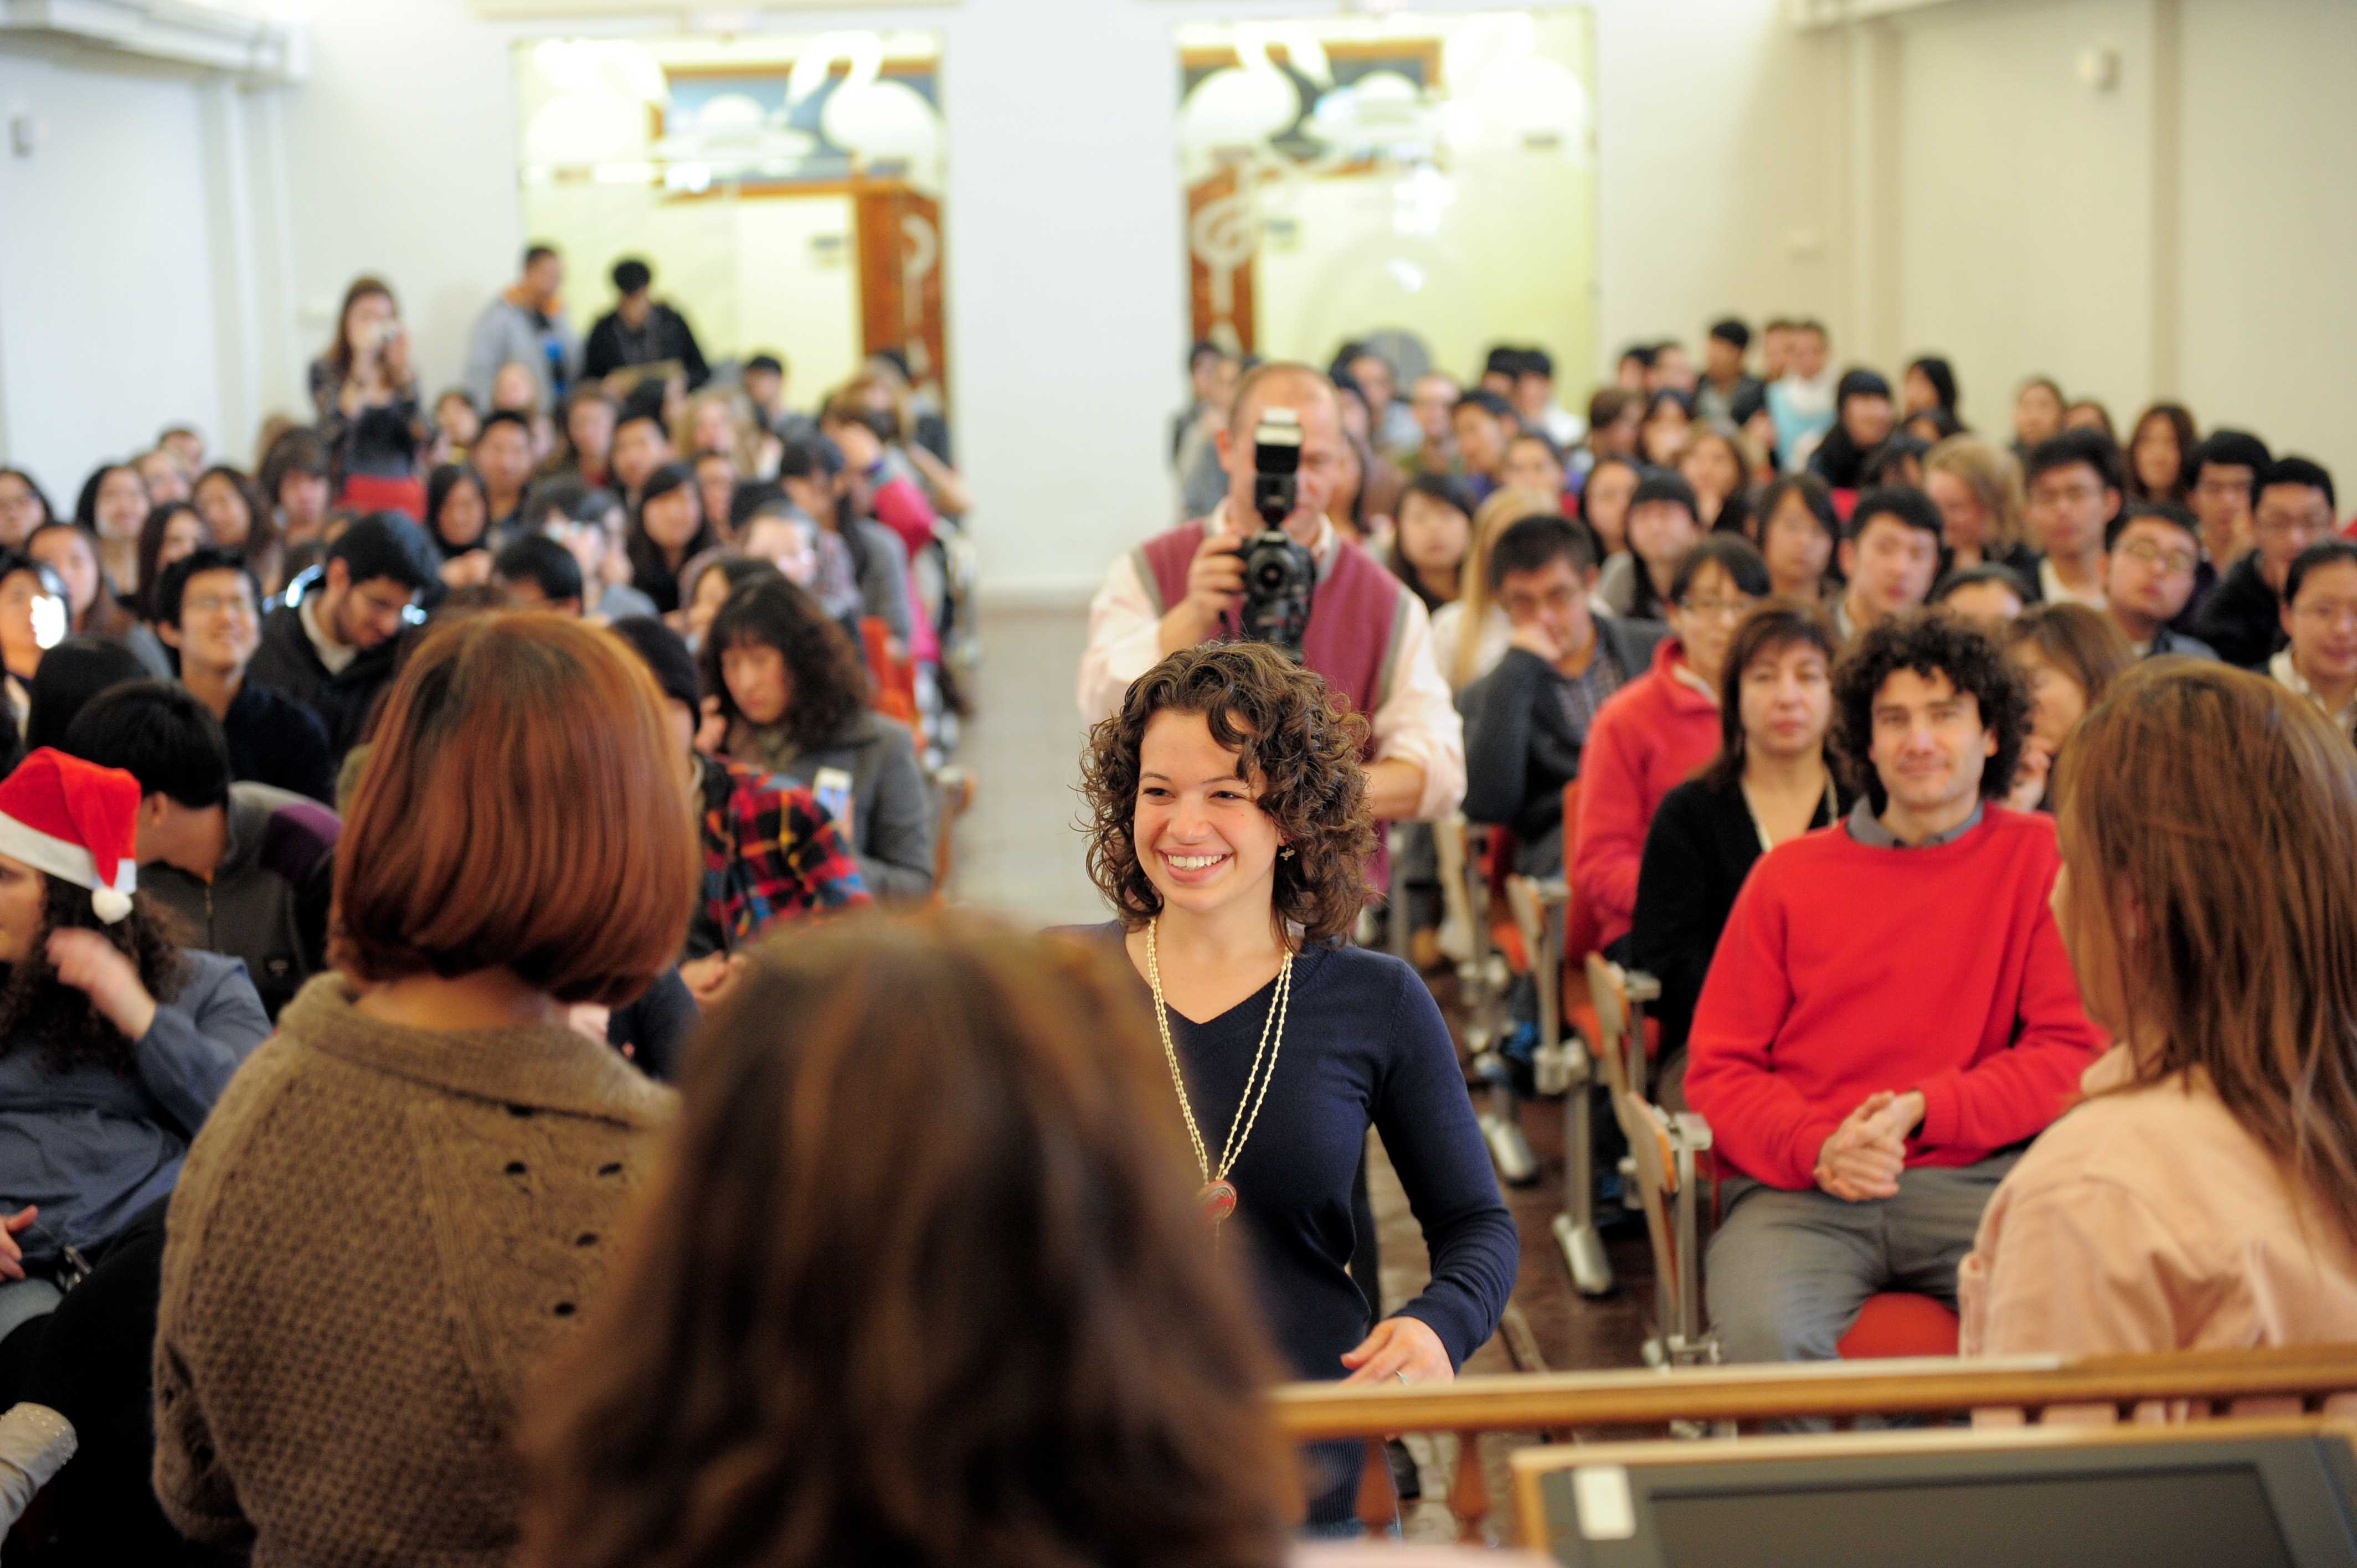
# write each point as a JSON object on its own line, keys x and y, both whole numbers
{"x": 1286, "y": 853}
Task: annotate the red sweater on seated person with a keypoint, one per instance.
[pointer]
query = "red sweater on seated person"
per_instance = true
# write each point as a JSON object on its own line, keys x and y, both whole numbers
{"x": 1651, "y": 737}
{"x": 1847, "y": 968}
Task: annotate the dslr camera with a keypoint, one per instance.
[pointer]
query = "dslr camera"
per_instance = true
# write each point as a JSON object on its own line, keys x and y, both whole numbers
{"x": 1279, "y": 575}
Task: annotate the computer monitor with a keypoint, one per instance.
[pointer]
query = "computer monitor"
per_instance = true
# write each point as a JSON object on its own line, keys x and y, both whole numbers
{"x": 2269, "y": 1494}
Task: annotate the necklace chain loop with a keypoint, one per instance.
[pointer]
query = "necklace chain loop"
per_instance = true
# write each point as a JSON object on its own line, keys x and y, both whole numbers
{"x": 1272, "y": 1040}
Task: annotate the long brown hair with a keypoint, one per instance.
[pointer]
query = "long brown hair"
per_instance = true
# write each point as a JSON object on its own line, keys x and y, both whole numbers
{"x": 921, "y": 1285}
{"x": 2179, "y": 420}
{"x": 1285, "y": 724}
{"x": 2208, "y": 821}
{"x": 341, "y": 353}
{"x": 1770, "y": 627}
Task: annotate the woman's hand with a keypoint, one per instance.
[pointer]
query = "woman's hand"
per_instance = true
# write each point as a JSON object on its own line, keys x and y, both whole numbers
{"x": 100, "y": 971}
{"x": 712, "y": 977}
{"x": 470, "y": 569}
{"x": 711, "y": 728}
{"x": 12, "y": 1256}
{"x": 1400, "y": 1351}
{"x": 2029, "y": 778}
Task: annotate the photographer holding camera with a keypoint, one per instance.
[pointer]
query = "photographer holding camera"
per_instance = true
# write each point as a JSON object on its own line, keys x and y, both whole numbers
{"x": 1289, "y": 579}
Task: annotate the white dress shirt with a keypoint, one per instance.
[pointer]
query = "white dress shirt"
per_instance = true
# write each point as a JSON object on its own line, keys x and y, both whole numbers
{"x": 1414, "y": 720}
{"x": 2291, "y": 680}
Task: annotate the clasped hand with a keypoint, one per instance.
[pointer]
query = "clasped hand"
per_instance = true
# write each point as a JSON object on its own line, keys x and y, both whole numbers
{"x": 1865, "y": 1154}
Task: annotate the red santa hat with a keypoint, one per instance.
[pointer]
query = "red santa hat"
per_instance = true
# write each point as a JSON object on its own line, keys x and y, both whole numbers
{"x": 77, "y": 822}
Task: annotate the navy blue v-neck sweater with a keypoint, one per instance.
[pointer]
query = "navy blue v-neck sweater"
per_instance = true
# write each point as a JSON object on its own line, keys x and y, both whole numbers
{"x": 1363, "y": 1045}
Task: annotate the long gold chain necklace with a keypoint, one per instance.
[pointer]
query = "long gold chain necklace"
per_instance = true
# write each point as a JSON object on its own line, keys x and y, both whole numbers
{"x": 1217, "y": 1196}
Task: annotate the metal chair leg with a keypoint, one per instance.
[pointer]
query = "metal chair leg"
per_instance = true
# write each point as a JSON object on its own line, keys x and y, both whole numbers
{"x": 1574, "y": 1229}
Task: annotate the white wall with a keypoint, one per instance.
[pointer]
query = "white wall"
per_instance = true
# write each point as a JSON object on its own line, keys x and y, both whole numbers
{"x": 401, "y": 150}
{"x": 2267, "y": 228}
{"x": 106, "y": 280}
{"x": 1719, "y": 169}
{"x": 2177, "y": 233}
{"x": 2025, "y": 201}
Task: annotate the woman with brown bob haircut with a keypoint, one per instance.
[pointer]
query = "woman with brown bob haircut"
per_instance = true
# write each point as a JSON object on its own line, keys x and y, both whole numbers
{"x": 1229, "y": 829}
{"x": 919, "y": 1283}
{"x": 397, "y": 1213}
{"x": 2204, "y": 1195}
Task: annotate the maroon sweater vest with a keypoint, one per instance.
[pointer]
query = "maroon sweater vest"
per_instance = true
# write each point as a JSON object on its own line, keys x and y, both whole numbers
{"x": 1353, "y": 615}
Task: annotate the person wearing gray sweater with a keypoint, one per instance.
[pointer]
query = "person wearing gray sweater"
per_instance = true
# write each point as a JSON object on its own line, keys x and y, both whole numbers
{"x": 791, "y": 692}
{"x": 525, "y": 325}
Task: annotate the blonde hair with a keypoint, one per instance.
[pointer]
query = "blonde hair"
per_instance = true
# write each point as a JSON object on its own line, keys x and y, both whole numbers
{"x": 744, "y": 440}
{"x": 1500, "y": 511}
{"x": 1992, "y": 475}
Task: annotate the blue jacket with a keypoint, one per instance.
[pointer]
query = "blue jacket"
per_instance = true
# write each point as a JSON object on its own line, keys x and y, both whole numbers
{"x": 94, "y": 1147}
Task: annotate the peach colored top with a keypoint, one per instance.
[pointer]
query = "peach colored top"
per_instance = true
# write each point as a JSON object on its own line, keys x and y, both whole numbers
{"x": 2147, "y": 1220}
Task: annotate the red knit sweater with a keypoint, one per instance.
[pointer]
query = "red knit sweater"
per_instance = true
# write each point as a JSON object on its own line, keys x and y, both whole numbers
{"x": 1653, "y": 734}
{"x": 1847, "y": 968}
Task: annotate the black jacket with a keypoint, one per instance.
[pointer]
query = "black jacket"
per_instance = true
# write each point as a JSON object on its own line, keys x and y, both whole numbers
{"x": 1519, "y": 748}
{"x": 1699, "y": 851}
{"x": 666, "y": 336}
{"x": 277, "y": 741}
{"x": 2242, "y": 619}
{"x": 287, "y": 662}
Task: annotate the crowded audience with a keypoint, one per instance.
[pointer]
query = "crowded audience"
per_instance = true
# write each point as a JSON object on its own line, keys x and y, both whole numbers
{"x": 634, "y": 675}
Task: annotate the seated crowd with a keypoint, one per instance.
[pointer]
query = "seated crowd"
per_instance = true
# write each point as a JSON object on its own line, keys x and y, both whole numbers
{"x": 385, "y": 833}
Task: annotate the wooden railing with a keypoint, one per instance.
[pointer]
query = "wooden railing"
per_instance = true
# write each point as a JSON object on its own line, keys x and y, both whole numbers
{"x": 1558, "y": 1405}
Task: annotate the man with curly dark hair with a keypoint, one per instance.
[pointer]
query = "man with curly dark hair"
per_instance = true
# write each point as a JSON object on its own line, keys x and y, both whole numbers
{"x": 1890, "y": 1015}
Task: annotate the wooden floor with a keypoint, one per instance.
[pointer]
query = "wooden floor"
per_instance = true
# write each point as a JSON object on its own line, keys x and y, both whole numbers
{"x": 1019, "y": 851}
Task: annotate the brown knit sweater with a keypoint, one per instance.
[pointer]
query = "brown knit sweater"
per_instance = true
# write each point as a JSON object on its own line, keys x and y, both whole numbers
{"x": 379, "y": 1233}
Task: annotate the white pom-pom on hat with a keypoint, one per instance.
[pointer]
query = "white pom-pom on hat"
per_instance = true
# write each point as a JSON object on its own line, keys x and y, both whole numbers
{"x": 76, "y": 821}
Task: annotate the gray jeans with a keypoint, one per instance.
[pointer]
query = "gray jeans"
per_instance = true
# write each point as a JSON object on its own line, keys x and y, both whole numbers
{"x": 1787, "y": 1272}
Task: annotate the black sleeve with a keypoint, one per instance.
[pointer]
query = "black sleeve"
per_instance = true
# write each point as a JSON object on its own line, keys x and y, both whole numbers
{"x": 691, "y": 354}
{"x": 654, "y": 1030}
{"x": 1679, "y": 915}
{"x": 1498, "y": 710}
{"x": 308, "y": 763}
{"x": 601, "y": 356}
{"x": 1428, "y": 1129}
{"x": 314, "y": 896}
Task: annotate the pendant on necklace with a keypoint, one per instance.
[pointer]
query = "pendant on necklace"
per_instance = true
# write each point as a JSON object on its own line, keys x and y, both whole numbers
{"x": 1217, "y": 1199}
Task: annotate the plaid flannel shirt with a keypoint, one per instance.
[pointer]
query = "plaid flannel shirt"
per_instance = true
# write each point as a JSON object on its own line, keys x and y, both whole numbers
{"x": 770, "y": 852}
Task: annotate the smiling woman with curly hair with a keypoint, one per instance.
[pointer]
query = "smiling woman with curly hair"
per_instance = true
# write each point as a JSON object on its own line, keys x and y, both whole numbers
{"x": 1229, "y": 828}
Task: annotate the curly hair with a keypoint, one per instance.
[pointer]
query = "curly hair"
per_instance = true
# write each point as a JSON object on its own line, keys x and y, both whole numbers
{"x": 37, "y": 1008}
{"x": 1288, "y": 729}
{"x": 827, "y": 679}
{"x": 1929, "y": 642}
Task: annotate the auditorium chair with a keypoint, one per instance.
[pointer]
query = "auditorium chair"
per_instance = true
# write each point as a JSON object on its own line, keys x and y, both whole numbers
{"x": 1482, "y": 977}
{"x": 952, "y": 797}
{"x": 1564, "y": 1066}
{"x": 1669, "y": 1160}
